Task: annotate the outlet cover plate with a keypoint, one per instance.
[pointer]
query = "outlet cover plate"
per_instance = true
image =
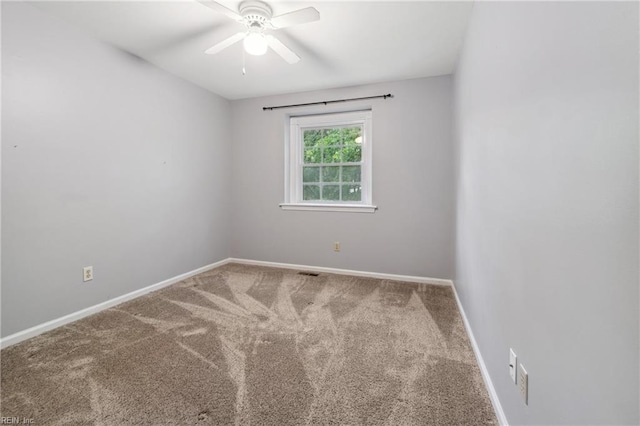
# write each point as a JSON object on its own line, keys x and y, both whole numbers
{"x": 87, "y": 273}
{"x": 524, "y": 383}
{"x": 512, "y": 365}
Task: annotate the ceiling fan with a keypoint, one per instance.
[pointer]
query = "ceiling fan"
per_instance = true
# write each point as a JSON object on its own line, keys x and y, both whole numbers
{"x": 257, "y": 17}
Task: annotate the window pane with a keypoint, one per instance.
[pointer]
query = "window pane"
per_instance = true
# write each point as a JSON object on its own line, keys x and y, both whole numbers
{"x": 312, "y": 155}
{"x": 331, "y": 137}
{"x": 311, "y": 174}
{"x": 331, "y": 192}
{"x": 331, "y": 155}
{"x": 310, "y": 192}
{"x": 352, "y": 154}
{"x": 331, "y": 174}
{"x": 328, "y": 159}
{"x": 351, "y": 192}
{"x": 351, "y": 174}
{"x": 350, "y": 135}
{"x": 312, "y": 138}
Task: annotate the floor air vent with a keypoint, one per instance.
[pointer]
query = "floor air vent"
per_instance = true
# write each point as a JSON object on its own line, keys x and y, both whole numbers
{"x": 310, "y": 274}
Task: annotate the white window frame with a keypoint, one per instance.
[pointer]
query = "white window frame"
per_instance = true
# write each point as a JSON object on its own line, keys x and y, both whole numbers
{"x": 294, "y": 161}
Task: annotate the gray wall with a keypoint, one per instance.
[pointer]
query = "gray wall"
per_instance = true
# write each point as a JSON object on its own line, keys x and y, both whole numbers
{"x": 410, "y": 234}
{"x": 106, "y": 161}
{"x": 546, "y": 130}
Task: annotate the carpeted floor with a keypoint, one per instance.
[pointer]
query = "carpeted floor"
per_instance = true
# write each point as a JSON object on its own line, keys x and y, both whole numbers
{"x": 254, "y": 345}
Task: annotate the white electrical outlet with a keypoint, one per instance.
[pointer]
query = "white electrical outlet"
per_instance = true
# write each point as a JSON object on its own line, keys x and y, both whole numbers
{"x": 524, "y": 384}
{"x": 513, "y": 359}
{"x": 336, "y": 246}
{"x": 87, "y": 273}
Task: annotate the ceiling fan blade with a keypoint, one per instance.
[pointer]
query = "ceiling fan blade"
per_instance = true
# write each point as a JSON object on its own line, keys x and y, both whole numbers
{"x": 221, "y": 9}
{"x": 282, "y": 50}
{"x": 301, "y": 16}
{"x": 225, "y": 43}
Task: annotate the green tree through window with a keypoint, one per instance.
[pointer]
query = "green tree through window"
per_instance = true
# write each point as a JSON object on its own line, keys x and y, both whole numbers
{"x": 332, "y": 164}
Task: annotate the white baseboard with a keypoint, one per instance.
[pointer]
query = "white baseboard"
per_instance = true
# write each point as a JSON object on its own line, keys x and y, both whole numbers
{"x": 394, "y": 277}
{"x": 502, "y": 419}
{"x": 58, "y": 322}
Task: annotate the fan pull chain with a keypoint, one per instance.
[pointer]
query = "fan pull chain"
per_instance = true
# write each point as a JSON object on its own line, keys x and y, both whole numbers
{"x": 244, "y": 70}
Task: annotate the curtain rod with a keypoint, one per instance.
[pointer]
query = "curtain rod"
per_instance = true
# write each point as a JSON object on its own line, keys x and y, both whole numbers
{"x": 389, "y": 95}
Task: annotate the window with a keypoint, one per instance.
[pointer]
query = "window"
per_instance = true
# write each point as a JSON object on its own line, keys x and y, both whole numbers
{"x": 328, "y": 164}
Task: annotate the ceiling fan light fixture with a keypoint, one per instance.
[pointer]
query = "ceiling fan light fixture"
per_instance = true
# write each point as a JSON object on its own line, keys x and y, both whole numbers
{"x": 255, "y": 44}
{"x": 256, "y": 16}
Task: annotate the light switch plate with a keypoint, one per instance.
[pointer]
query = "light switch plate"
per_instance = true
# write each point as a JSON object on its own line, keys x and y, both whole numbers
{"x": 512, "y": 365}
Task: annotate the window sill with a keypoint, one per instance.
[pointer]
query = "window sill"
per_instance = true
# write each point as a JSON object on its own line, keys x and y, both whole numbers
{"x": 350, "y": 208}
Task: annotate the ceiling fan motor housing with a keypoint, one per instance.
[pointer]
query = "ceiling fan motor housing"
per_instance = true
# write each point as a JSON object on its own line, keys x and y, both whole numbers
{"x": 255, "y": 14}
{"x": 257, "y": 17}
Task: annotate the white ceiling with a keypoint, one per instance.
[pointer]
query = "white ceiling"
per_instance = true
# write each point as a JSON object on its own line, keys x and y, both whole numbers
{"x": 355, "y": 42}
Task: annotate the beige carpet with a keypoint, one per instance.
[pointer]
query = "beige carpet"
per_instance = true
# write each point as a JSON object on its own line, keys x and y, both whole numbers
{"x": 254, "y": 345}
